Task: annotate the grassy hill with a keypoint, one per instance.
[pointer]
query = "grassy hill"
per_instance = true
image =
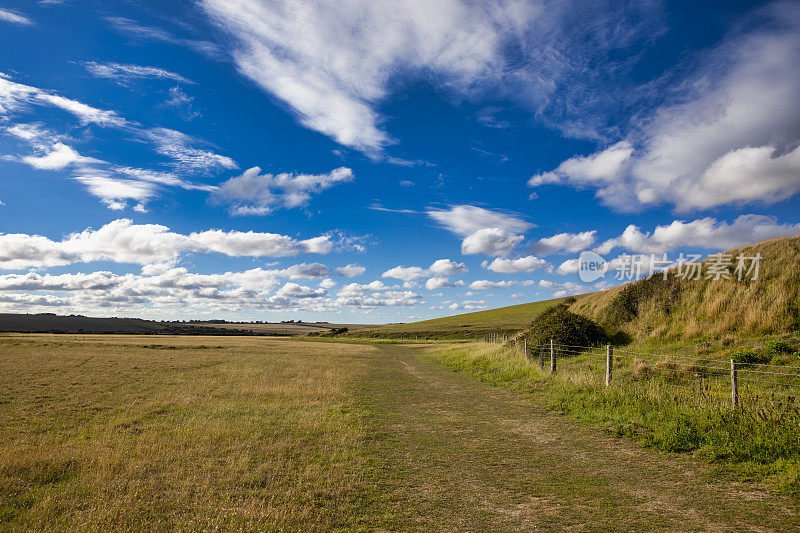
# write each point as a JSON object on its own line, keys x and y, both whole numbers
{"x": 690, "y": 309}
{"x": 468, "y": 325}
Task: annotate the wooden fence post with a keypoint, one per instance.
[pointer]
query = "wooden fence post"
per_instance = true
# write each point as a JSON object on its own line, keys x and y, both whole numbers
{"x": 552, "y": 356}
{"x": 609, "y": 363}
{"x": 734, "y": 385}
{"x": 541, "y": 356}
{"x": 525, "y": 347}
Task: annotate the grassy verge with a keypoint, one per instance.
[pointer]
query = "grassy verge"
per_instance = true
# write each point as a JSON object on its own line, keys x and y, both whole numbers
{"x": 754, "y": 443}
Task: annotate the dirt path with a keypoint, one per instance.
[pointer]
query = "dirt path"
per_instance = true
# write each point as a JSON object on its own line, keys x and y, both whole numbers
{"x": 473, "y": 457}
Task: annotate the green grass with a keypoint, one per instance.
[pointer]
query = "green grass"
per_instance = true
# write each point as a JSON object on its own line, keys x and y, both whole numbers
{"x": 759, "y": 442}
{"x": 506, "y": 320}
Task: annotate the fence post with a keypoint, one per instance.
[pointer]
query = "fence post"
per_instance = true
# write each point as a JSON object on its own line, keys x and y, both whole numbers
{"x": 525, "y": 347}
{"x": 552, "y": 356}
{"x": 734, "y": 385}
{"x": 609, "y": 363}
{"x": 541, "y": 356}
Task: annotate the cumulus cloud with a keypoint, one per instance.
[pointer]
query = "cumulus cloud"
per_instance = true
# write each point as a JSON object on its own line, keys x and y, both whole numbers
{"x": 447, "y": 267}
{"x": 123, "y": 241}
{"x": 437, "y": 283}
{"x": 483, "y": 284}
{"x": 350, "y": 271}
{"x": 327, "y": 283}
{"x": 306, "y": 270}
{"x": 707, "y": 233}
{"x": 253, "y": 193}
{"x": 564, "y": 242}
{"x": 490, "y": 241}
{"x": 293, "y": 290}
{"x": 731, "y": 137}
{"x": 404, "y": 273}
{"x": 528, "y": 263}
{"x": 125, "y": 72}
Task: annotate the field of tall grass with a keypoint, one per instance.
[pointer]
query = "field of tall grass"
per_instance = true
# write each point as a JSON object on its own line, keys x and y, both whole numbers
{"x": 660, "y": 405}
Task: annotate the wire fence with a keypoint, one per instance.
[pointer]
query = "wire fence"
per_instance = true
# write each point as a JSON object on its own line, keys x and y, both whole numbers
{"x": 695, "y": 377}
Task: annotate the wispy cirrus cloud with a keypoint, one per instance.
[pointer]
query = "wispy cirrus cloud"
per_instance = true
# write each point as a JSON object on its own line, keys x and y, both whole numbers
{"x": 14, "y": 17}
{"x": 121, "y": 72}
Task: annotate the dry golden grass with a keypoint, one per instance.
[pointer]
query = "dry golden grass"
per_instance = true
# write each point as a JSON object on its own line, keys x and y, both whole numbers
{"x": 709, "y": 308}
{"x": 199, "y": 433}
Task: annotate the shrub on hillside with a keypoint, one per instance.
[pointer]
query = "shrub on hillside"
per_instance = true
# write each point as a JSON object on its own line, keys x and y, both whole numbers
{"x": 773, "y": 348}
{"x": 565, "y": 327}
{"x": 747, "y": 357}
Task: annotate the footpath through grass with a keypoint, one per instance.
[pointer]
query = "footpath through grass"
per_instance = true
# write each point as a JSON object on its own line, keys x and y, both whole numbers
{"x": 758, "y": 443}
{"x": 266, "y": 434}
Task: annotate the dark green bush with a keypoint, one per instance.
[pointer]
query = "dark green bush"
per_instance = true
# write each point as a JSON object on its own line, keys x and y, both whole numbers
{"x": 565, "y": 327}
{"x": 773, "y": 348}
{"x": 746, "y": 357}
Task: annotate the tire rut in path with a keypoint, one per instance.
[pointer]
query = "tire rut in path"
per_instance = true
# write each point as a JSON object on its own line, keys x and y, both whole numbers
{"x": 462, "y": 455}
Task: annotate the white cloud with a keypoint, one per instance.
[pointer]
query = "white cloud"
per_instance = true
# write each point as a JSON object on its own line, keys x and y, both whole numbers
{"x": 482, "y": 285}
{"x": 115, "y": 192}
{"x": 332, "y": 63}
{"x": 404, "y": 273}
{"x": 253, "y": 193}
{"x": 57, "y": 157}
{"x": 113, "y": 184}
{"x": 306, "y": 270}
{"x": 350, "y": 271}
{"x": 490, "y": 241}
{"x": 570, "y": 266}
{"x": 180, "y": 148}
{"x": 528, "y": 263}
{"x": 599, "y": 168}
{"x": 14, "y": 96}
{"x": 293, "y": 290}
{"x": 729, "y": 137}
{"x": 437, "y": 283}
{"x": 14, "y": 17}
{"x": 564, "y": 242}
{"x": 327, "y": 283}
{"x": 705, "y": 233}
{"x": 124, "y": 72}
{"x": 124, "y": 242}
{"x": 447, "y": 267}
{"x": 141, "y": 32}
{"x": 464, "y": 220}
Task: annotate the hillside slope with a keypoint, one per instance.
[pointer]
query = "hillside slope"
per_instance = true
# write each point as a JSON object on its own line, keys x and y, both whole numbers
{"x": 509, "y": 319}
{"x": 679, "y": 308}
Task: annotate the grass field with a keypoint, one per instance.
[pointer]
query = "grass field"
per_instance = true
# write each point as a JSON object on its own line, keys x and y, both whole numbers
{"x": 253, "y": 433}
{"x": 468, "y": 325}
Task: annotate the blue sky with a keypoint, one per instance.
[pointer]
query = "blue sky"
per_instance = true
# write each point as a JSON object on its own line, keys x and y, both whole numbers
{"x": 380, "y": 162}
